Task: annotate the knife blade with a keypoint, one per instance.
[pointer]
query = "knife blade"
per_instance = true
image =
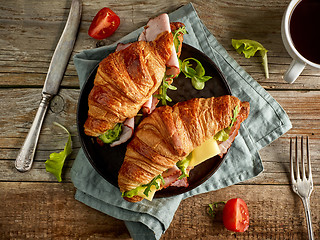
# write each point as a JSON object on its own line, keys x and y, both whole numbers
{"x": 51, "y": 86}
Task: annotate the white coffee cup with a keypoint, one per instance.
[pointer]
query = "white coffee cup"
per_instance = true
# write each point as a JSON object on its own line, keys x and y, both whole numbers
{"x": 299, "y": 62}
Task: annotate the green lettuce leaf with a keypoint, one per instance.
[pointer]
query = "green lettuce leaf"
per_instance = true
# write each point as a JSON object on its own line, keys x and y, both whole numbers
{"x": 222, "y": 135}
{"x": 132, "y": 193}
{"x": 183, "y": 165}
{"x": 112, "y": 135}
{"x": 249, "y": 48}
{"x": 55, "y": 163}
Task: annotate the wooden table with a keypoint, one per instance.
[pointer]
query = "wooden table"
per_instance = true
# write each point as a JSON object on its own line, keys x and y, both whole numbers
{"x": 34, "y": 205}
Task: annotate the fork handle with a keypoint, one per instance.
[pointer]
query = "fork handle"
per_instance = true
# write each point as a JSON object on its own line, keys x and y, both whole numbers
{"x": 306, "y": 204}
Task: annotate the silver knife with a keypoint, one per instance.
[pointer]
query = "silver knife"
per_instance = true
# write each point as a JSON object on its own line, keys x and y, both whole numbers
{"x": 54, "y": 77}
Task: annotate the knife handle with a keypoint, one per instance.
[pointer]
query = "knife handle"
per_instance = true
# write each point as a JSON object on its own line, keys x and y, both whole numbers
{"x": 25, "y": 157}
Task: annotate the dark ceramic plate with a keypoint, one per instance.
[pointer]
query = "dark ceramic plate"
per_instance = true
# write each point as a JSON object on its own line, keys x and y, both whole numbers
{"x": 107, "y": 161}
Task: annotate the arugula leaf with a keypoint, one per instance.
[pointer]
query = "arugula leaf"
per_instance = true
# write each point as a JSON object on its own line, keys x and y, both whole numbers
{"x": 211, "y": 211}
{"x": 249, "y": 48}
{"x": 162, "y": 96}
{"x": 146, "y": 187}
{"x": 55, "y": 163}
{"x": 112, "y": 135}
{"x": 176, "y": 34}
{"x": 183, "y": 165}
{"x": 196, "y": 74}
{"x": 155, "y": 183}
{"x": 235, "y": 114}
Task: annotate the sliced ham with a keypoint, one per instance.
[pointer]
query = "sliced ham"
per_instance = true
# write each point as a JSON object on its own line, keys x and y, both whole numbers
{"x": 127, "y": 131}
{"x": 121, "y": 46}
{"x": 154, "y": 27}
{"x": 170, "y": 171}
{"x": 150, "y": 105}
{"x": 173, "y": 70}
{"x": 180, "y": 183}
{"x": 224, "y": 146}
{"x": 171, "y": 175}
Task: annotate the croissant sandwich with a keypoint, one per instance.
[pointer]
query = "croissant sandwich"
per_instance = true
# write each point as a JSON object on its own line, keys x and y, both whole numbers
{"x": 172, "y": 140}
{"x": 127, "y": 79}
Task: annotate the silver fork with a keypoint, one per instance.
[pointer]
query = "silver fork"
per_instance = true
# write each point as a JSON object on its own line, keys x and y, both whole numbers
{"x": 302, "y": 185}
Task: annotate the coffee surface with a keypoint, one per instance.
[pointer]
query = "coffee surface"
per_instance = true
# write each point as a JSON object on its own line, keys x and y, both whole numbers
{"x": 305, "y": 29}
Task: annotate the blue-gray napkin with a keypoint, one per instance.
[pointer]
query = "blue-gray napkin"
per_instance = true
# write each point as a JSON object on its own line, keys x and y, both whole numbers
{"x": 267, "y": 121}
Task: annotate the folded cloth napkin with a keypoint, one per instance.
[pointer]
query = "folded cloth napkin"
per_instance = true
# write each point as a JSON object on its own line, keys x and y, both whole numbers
{"x": 267, "y": 121}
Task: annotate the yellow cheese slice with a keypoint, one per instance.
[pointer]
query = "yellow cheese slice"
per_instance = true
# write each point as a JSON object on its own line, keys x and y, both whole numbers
{"x": 205, "y": 151}
{"x": 151, "y": 193}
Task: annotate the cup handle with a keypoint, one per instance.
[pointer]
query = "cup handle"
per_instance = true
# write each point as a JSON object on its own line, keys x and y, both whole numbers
{"x": 296, "y": 67}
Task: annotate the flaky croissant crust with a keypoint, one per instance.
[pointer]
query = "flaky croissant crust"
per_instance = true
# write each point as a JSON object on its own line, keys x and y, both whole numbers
{"x": 125, "y": 80}
{"x": 169, "y": 134}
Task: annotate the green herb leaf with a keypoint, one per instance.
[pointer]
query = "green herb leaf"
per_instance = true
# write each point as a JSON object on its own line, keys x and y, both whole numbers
{"x": 147, "y": 187}
{"x": 155, "y": 183}
{"x": 211, "y": 211}
{"x": 249, "y": 48}
{"x": 162, "y": 96}
{"x": 55, "y": 163}
{"x": 222, "y": 135}
{"x": 132, "y": 193}
{"x": 183, "y": 165}
{"x": 176, "y": 33}
{"x": 112, "y": 135}
{"x": 235, "y": 114}
{"x": 197, "y": 75}
{"x": 212, "y": 207}
{"x": 196, "y": 84}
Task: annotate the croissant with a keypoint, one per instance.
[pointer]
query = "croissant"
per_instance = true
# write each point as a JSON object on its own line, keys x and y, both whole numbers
{"x": 169, "y": 134}
{"x": 125, "y": 80}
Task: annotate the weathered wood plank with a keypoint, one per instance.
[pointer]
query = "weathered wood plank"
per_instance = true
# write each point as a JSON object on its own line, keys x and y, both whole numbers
{"x": 55, "y": 214}
{"x": 301, "y": 106}
{"x": 303, "y": 112}
{"x": 49, "y": 211}
{"x": 270, "y": 215}
{"x": 29, "y": 52}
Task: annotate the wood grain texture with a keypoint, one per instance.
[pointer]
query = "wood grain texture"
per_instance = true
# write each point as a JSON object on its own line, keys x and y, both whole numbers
{"x": 34, "y": 206}
{"x": 54, "y": 214}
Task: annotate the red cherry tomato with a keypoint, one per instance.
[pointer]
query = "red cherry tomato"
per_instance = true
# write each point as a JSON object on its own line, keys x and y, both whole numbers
{"x": 236, "y": 215}
{"x": 104, "y": 24}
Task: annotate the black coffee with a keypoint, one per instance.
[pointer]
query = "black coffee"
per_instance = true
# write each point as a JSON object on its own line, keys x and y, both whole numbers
{"x": 305, "y": 29}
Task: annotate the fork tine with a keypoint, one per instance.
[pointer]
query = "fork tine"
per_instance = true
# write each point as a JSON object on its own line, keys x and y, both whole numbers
{"x": 302, "y": 160}
{"x": 291, "y": 161}
{"x": 297, "y": 160}
{"x": 309, "y": 161}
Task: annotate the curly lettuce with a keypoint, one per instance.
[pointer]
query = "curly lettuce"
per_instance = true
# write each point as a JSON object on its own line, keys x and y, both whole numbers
{"x": 56, "y": 161}
{"x": 249, "y": 48}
